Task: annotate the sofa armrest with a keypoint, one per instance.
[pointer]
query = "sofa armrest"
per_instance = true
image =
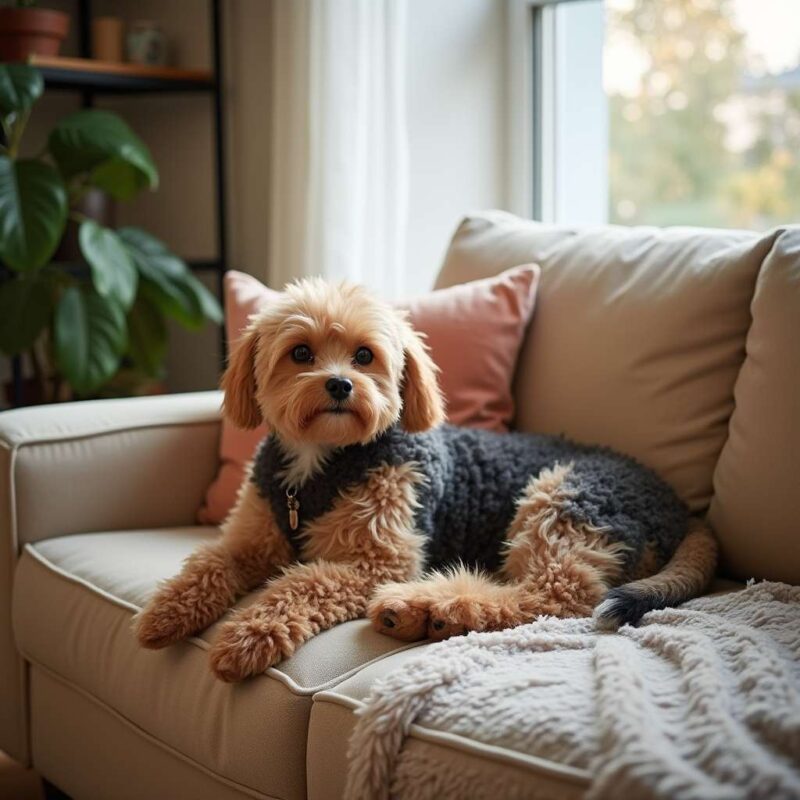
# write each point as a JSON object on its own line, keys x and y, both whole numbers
{"x": 94, "y": 466}
{"x": 106, "y": 464}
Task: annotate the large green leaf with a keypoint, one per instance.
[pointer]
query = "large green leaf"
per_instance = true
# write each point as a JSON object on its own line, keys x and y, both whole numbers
{"x": 152, "y": 257}
{"x": 117, "y": 178}
{"x": 167, "y": 281}
{"x": 175, "y": 300}
{"x": 209, "y": 304}
{"x": 100, "y": 143}
{"x": 113, "y": 272}
{"x": 33, "y": 212}
{"x": 147, "y": 337}
{"x": 90, "y": 337}
{"x": 20, "y": 87}
{"x": 25, "y": 306}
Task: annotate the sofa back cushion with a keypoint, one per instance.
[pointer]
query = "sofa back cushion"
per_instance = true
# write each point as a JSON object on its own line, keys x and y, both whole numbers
{"x": 756, "y": 505}
{"x": 638, "y": 336}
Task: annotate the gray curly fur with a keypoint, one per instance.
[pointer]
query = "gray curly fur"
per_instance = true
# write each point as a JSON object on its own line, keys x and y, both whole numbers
{"x": 473, "y": 479}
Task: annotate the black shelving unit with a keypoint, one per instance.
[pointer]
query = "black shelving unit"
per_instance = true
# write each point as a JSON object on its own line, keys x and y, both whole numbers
{"x": 92, "y": 79}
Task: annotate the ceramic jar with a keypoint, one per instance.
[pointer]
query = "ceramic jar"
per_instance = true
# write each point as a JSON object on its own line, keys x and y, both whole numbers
{"x": 146, "y": 44}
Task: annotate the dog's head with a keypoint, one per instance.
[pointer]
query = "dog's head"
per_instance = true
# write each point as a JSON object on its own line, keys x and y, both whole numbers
{"x": 331, "y": 365}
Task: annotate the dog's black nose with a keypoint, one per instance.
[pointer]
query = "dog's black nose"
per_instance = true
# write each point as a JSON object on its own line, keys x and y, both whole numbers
{"x": 339, "y": 388}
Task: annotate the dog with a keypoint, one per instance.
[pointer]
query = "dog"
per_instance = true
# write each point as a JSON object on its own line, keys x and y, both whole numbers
{"x": 361, "y": 501}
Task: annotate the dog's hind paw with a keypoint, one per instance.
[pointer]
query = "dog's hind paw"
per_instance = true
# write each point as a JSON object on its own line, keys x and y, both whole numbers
{"x": 457, "y": 616}
{"x": 399, "y": 616}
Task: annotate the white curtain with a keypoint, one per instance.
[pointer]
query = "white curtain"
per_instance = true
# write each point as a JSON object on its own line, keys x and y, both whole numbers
{"x": 338, "y": 145}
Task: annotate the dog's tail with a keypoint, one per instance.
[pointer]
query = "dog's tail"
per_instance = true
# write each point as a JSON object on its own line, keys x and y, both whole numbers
{"x": 685, "y": 575}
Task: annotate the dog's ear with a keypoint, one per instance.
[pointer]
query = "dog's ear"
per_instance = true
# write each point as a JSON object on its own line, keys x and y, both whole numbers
{"x": 239, "y": 383}
{"x": 423, "y": 405}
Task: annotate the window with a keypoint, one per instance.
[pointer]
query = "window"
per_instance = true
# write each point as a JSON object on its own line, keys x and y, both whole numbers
{"x": 664, "y": 112}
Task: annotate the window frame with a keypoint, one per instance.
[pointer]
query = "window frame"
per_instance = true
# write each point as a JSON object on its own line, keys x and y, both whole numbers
{"x": 538, "y": 170}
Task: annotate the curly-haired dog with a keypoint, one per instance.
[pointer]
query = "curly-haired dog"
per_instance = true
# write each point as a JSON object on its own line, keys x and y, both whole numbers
{"x": 361, "y": 501}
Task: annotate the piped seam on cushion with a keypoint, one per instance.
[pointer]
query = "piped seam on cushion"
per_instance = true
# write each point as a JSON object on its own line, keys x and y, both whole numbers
{"x": 454, "y": 741}
{"x": 109, "y": 431}
{"x": 272, "y": 672}
{"x": 15, "y": 447}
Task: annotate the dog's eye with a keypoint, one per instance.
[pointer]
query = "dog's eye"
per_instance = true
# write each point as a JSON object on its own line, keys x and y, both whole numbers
{"x": 363, "y": 356}
{"x": 302, "y": 354}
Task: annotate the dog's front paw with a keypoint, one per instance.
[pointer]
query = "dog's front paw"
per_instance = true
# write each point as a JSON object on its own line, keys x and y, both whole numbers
{"x": 250, "y": 645}
{"x": 161, "y": 624}
{"x": 395, "y": 612}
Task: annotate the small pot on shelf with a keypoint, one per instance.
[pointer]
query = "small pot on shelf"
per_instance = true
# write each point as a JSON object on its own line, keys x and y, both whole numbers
{"x": 26, "y": 31}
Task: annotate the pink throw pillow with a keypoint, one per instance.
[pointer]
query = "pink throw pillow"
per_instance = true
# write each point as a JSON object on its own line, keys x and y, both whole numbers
{"x": 474, "y": 330}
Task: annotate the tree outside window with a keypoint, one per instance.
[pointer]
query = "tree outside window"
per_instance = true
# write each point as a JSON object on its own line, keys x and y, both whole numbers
{"x": 704, "y": 112}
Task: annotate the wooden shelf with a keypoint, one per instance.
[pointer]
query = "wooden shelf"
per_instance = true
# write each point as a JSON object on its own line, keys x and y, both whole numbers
{"x": 114, "y": 78}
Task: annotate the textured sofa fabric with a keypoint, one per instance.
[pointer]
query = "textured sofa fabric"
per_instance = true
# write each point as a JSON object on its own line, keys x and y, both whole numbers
{"x": 678, "y": 346}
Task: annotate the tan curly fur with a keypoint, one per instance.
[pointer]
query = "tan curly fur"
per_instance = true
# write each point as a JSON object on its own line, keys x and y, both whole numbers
{"x": 366, "y": 539}
{"x": 690, "y": 569}
{"x": 648, "y": 564}
{"x": 212, "y": 579}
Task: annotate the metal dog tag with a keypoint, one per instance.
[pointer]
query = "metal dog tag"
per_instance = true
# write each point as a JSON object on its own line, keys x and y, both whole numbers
{"x": 293, "y": 504}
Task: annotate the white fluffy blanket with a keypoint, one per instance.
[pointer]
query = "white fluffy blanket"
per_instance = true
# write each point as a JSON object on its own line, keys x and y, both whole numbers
{"x": 700, "y": 702}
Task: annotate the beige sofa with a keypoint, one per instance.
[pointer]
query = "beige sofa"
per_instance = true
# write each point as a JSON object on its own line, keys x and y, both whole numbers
{"x": 679, "y": 346}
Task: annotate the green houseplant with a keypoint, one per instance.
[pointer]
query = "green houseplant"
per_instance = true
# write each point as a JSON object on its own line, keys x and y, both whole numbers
{"x": 82, "y": 323}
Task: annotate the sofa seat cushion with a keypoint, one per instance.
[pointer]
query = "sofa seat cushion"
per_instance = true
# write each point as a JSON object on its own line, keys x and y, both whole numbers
{"x": 74, "y": 598}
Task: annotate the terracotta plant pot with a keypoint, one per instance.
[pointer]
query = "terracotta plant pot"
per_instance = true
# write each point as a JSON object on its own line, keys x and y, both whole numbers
{"x": 31, "y": 31}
